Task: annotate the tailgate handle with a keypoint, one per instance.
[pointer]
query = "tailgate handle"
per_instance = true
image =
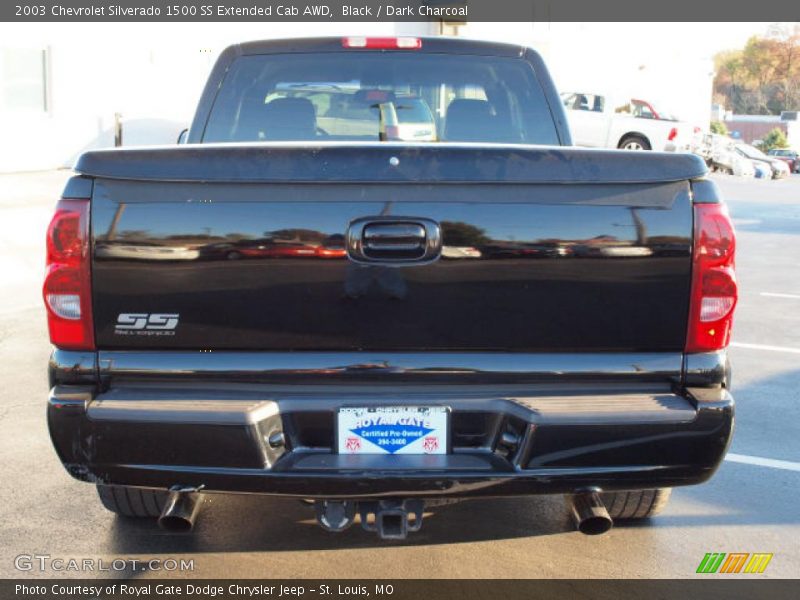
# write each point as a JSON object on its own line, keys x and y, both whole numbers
{"x": 394, "y": 236}
{"x": 395, "y": 241}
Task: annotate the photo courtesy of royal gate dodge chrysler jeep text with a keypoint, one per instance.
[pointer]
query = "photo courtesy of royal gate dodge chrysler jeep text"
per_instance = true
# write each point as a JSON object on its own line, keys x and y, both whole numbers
{"x": 376, "y": 276}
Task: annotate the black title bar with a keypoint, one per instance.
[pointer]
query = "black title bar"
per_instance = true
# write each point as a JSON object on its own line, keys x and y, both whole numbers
{"x": 399, "y": 10}
{"x": 399, "y": 589}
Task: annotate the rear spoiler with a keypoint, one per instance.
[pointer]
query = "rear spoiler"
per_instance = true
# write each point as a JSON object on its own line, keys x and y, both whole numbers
{"x": 387, "y": 162}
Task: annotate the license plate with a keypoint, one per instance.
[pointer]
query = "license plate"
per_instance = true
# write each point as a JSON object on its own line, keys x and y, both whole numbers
{"x": 393, "y": 430}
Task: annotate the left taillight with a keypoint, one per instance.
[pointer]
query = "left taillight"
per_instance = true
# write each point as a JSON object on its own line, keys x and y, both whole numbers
{"x": 67, "y": 285}
{"x": 673, "y": 133}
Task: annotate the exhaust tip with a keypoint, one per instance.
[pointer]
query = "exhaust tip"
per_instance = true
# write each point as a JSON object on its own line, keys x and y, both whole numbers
{"x": 590, "y": 514}
{"x": 595, "y": 525}
{"x": 175, "y": 524}
{"x": 180, "y": 511}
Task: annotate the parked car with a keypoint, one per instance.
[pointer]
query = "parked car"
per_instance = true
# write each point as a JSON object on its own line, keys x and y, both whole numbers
{"x": 603, "y": 121}
{"x": 391, "y": 378}
{"x": 268, "y": 248}
{"x": 460, "y": 252}
{"x": 721, "y": 155}
{"x": 144, "y": 251}
{"x": 743, "y": 167}
{"x": 790, "y": 157}
{"x": 642, "y": 109}
{"x": 762, "y": 169}
{"x": 409, "y": 119}
{"x": 779, "y": 168}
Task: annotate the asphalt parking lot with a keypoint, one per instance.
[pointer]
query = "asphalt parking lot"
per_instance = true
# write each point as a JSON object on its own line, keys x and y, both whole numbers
{"x": 749, "y": 506}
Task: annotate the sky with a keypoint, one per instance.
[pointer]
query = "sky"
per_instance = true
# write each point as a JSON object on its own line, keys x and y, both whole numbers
{"x": 652, "y": 39}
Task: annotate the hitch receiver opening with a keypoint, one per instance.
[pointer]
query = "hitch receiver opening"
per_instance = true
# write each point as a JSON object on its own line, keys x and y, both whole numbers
{"x": 390, "y": 519}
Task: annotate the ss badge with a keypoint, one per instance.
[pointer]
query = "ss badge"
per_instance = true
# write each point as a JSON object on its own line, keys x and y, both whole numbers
{"x": 146, "y": 323}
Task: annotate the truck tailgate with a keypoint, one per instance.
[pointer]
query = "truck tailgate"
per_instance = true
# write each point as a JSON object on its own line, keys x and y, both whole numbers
{"x": 244, "y": 248}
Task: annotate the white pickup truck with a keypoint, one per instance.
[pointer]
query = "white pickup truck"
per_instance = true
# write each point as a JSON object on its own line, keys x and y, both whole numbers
{"x": 602, "y": 121}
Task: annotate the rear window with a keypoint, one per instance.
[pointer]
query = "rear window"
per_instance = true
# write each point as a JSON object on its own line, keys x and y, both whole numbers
{"x": 365, "y": 96}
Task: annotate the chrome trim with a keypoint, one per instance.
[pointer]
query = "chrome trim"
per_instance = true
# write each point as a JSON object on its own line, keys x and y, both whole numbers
{"x": 70, "y": 366}
{"x": 429, "y": 367}
{"x": 706, "y": 369}
{"x": 208, "y": 412}
{"x": 249, "y": 407}
{"x": 383, "y": 231}
{"x": 368, "y": 236}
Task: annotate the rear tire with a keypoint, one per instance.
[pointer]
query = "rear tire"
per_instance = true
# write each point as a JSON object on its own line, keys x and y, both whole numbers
{"x": 639, "y": 504}
{"x": 634, "y": 142}
{"x": 131, "y": 501}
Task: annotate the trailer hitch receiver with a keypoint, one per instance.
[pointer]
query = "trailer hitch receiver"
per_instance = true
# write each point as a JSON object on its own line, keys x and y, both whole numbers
{"x": 392, "y": 519}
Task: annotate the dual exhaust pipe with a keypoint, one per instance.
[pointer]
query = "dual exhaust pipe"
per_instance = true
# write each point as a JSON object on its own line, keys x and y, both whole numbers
{"x": 589, "y": 513}
{"x": 390, "y": 519}
{"x": 180, "y": 510}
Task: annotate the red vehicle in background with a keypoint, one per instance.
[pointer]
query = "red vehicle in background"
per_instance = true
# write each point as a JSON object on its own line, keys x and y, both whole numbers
{"x": 643, "y": 109}
{"x": 270, "y": 248}
{"x": 790, "y": 157}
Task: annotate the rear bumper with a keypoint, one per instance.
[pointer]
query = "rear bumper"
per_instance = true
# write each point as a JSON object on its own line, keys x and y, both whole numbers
{"x": 505, "y": 441}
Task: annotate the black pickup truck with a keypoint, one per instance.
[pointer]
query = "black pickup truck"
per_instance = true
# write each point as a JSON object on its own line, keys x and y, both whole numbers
{"x": 377, "y": 276}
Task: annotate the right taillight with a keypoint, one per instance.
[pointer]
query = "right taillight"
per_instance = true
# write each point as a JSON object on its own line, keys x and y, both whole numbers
{"x": 67, "y": 284}
{"x": 714, "y": 289}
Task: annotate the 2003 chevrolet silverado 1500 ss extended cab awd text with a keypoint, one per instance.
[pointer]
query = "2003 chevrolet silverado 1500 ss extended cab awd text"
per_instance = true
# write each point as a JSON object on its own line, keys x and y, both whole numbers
{"x": 303, "y": 301}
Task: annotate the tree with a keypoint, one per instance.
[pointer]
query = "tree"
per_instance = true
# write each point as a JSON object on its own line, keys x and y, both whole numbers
{"x": 774, "y": 139}
{"x": 719, "y": 127}
{"x": 787, "y": 74}
{"x": 457, "y": 233}
{"x": 764, "y": 76}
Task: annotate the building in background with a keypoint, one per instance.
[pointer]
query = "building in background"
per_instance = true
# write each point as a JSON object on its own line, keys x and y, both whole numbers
{"x": 61, "y": 86}
{"x": 753, "y": 128}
